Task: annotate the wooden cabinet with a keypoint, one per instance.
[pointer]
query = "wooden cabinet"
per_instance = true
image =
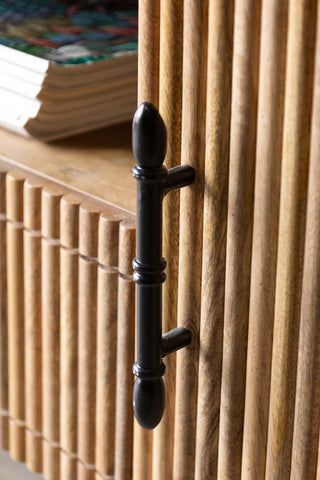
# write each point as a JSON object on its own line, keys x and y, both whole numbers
{"x": 238, "y": 91}
{"x": 237, "y": 85}
{"x": 67, "y": 303}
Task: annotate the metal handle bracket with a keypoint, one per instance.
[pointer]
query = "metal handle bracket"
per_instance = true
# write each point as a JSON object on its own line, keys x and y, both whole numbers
{"x": 154, "y": 181}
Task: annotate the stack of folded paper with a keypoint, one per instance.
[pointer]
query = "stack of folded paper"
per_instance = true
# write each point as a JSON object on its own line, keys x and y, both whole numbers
{"x": 66, "y": 67}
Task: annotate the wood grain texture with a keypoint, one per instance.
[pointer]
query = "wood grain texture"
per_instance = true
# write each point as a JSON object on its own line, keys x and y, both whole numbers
{"x": 87, "y": 338}
{"x": 148, "y": 52}
{"x": 69, "y": 220}
{"x": 220, "y": 44}
{"x": 106, "y": 370}
{"x": 142, "y": 452}
{"x": 69, "y": 265}
{"x": 265, "y": 236}
{"x": 36, "y": 275}
{"x": 295, "y": 154}
{"x": 307, "y": 409}
{"x": 108, "y": 242}
{"x": 239, "y": 234}
{"x": 98, "y": 163}
{"x": 193, "y": 134}
{"x": 4, "y": 387}
{"x": 32, "y": 315}
{"x": 50, "y": 273}
{"x": 170, "y": 106}
{"x": 125, "y": 353}
{"x": 14, "y": 198}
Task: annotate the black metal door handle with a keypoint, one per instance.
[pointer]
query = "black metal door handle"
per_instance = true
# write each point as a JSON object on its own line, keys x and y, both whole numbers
{"x": 153, "y": 182}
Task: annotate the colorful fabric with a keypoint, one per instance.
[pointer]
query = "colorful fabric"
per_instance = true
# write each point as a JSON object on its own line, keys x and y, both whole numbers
{"x": 67, "y": 32}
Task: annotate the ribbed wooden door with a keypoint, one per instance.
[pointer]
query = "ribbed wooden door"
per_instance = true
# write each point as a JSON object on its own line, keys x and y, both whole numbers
{"x": 237, "y": 84}
{"x": 67, "y": 330}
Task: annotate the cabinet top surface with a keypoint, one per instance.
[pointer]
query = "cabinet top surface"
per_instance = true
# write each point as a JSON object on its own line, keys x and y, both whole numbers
{"x": 99, "y": 163}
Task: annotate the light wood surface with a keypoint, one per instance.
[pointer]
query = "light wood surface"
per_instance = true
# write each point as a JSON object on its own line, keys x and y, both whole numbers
{"x": 108, "y": 240}
{"x": 107, "y": 343}
{"x": 239, "y": 234}
{"x": 246, "y": 285}
{"x": 170, "y": 107}
{"x": 50, "y": 221}
{"x": 106, "y": 370}
{"x": 68, "y": 360}
{"x": 69, "y": 433}
{"x": 265, "y": 236}
{"x": 142, "y": 452}
{"x": 193, "y": 133}
{"x": 32, "y": 315}
{"x": 14, "y": 198}
{"x": 69, "y": 220}
{"x": 124, "y": 387}
{"x": 295, "y": 153}
{"x": 125, "y": 353}
{"x": 4, "y": 387}
{"x": 220, "y": 45}
{"x": 307, "y": 409}
{"x": 87, "y": 368}
{"x": 98, "y": 163}
{"x": 87, "y": 338}
{"x": 148, "y": 52}
{"x": 69, "y": 260}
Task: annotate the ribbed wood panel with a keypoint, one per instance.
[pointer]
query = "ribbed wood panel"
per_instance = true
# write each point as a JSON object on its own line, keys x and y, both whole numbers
{"x": 148, "y": 67}
{"x": 170, "y": 107}
{"x": 239, "y": 234}
{"x": 32, "y": 315}
{"x": 237, "y": 84}
{"x": 87, "y": 338}
{"x": 191, "y": 221}
{"x": 307, "y": 413}
{"x": 14, "y": 196}
{"x": 50, "y": 273}
{"x": 4, "y": 387}
{"x": 125, "y": 354}
{"x": 220, "y": 40}
{"x": 69, "y": 260}
{"x": 265, "y": 236}
{"x": 70, "y": 294}
{"x": 108, "y": 253}
{"x": 294, "y": 175}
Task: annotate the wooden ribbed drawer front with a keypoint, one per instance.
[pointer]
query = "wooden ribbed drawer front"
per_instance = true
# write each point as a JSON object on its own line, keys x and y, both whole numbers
{"x": 67, "y": 329}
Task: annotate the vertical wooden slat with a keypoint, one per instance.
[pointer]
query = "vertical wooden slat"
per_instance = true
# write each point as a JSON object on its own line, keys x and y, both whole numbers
{"x": 239, "y": 235}
{"x": 69, "y": 262}
{"x": 148, "y": 55}
{"x": 107, "y": 344}
{"x": 307, "y": 410}
{"x": 87, "y": 341}
{"x": 142, "y": 452}
{"x": 220, "y": 45}
{"x": 265, "y": 236}
{"x": 170, "y": 106}
{"x": 32, "y": 315}
{"x": 296, "y": 135}
{"x": 191, "y": 217}
{"x": 14, "y": 187}
{"x": 50, "y": 221}
{"x": 4, "y": 387}
{"x": 125, "y": 353}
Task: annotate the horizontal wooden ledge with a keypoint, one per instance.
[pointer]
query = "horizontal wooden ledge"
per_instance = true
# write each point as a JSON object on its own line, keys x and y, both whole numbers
{"x": 97, "y": 163}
